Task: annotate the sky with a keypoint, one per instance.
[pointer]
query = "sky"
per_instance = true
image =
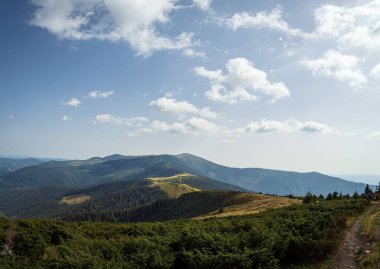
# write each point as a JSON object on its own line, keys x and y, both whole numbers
{"x": 290, "y": 85}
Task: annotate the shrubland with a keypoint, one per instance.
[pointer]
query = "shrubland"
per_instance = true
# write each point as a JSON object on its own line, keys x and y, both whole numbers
{"x": 279, "y": 238}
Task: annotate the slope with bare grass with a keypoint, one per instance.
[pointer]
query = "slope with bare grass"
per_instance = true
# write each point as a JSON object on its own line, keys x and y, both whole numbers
{"x": 246, "y": 203}
{"x": 174, "y": 186}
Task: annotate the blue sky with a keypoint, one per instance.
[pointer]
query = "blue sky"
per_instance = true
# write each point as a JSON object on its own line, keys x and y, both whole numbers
{"x": 277, "y": 84}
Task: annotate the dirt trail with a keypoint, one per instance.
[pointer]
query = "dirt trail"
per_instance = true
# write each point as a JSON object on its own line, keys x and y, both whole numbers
{"x": 349, "y": 247}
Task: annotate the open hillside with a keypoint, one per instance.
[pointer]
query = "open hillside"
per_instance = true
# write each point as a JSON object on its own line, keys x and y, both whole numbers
{"x": 248, "y": 203}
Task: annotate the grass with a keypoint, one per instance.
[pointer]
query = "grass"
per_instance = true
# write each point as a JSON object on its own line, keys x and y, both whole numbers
{"x": 173, "y": 185}
{"x": 75, "y": 199}
{"x": 247, "y": 203}
{"x": 370, "y": 231}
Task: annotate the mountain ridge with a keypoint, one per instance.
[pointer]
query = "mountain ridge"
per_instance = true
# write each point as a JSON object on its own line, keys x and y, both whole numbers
{"x": 113, "y": 168}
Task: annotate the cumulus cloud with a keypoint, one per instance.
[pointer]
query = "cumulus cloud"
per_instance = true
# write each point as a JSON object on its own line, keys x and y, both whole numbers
{"x": 288, "y": 126}
{"x": 263, "y": 19}
{"x": 337, "y": 65}
{"x": 194, "y": 54}
{"x": 66, "y": 118}
{"x": 352, "y": 27}
{"x": 132, "y": 21}
{"x": 100, "y": 94}
{"x": 241, "y": 82}
{"x": 202, "y": 4}
{"x": 375, "y": 72}
{"x": 201, "y": 126}
{"x": 192, "y": 126}
{"x": 72, "y": 102}
{"x": 355, "y": 26}
{"x": 108, "y": 118}
{"x": 171, "y": 105}
{"x": 137, "y": 121}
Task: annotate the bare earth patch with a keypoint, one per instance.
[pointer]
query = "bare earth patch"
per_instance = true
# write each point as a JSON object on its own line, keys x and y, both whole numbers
{"x": 74, "y": 199}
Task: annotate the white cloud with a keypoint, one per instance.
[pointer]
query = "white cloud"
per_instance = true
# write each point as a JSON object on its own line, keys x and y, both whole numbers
{"x": 288, "y": 126}
{"x": 191, "y": 126}
{"x": 170, "y": 105}
{"x": 374, "y": 135}
{"x": 100, "y": 94}
{"x": 352, "y": 27}
{"x": 337, "y": 65}
{"x": 193, "y": 54}
{"x": 200, "y": 126}
{"x": 375, "y": 72}
{"x": 172, "y": 128}
{"x": 315, "y": 127}
{"x": 108, "y": 118}
{"x": 263, "y": 19}
{"x": 66, "y": 118}
{"x": 137, "y": 121}
{"x": 113, "y": 20}
{"x": 72, "y": 102}
{"x": 216, "y": 75}
{"x": 202, "y": 4}
{"x": 241, "y": 82}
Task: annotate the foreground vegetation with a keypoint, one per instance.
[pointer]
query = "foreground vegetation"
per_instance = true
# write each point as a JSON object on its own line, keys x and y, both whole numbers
{"x": 286, "y": 237}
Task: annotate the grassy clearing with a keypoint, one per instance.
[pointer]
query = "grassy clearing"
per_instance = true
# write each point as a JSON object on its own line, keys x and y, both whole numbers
{"x": 370, "y": 231}
{"x": 250, "y": 204}
{"x": 74, "y": 199}
{"x": 174, "y": 186}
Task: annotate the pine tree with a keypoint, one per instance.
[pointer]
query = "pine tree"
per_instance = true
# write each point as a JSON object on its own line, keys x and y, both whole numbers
{"x": 367, "y": 190}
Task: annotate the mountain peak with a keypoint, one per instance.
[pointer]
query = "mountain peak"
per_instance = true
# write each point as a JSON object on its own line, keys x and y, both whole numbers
{"x": 114, "y": 157}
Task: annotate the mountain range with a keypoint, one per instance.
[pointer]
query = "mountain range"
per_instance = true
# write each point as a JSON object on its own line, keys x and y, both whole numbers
{"x": 137, "y": 188}
{"x": 115, "y": 168}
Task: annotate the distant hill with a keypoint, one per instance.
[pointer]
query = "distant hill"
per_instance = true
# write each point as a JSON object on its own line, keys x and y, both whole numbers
{"x": 370, "y": 179}
{"x": 56, "y": 201}
{"x": 8, "y": 165}
{"x": 118, "y": 168}
{"x": 270, "y": 181}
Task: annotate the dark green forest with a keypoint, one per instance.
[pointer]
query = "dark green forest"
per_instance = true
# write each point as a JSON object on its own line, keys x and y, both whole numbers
{"x": 280, "y": 238}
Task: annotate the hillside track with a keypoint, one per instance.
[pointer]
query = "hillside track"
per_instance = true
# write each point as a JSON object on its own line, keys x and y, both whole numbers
{"x": 352, "y": 243}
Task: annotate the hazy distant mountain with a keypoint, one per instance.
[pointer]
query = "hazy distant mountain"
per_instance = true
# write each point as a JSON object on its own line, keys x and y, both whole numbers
{"x": 86, "y": 173}
{"x": 369, "y": 179}
{"x": 271, "y": 181}
{"x": 8, "y": 165}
